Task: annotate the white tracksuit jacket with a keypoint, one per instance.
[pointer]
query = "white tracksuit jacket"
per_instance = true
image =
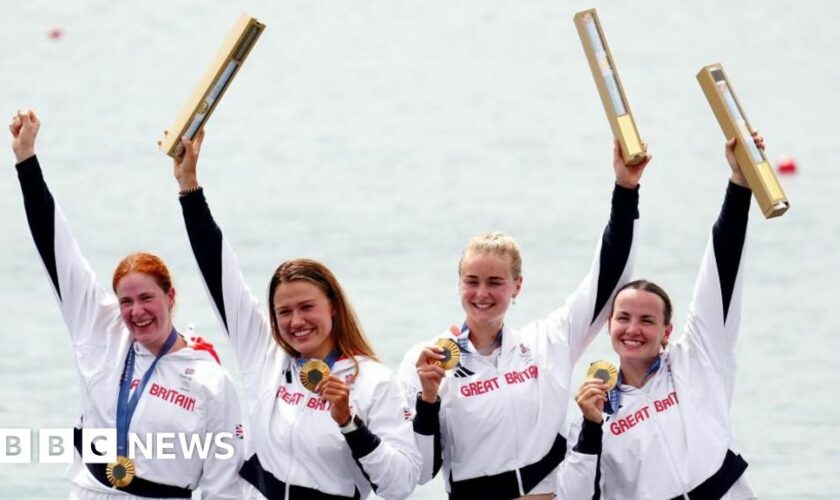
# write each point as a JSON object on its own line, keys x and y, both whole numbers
{"x": 189, "y": 392}
{"x": 297, "y": 444}
{"x": 673, "y": 433}
{"x": 499, "y": 417}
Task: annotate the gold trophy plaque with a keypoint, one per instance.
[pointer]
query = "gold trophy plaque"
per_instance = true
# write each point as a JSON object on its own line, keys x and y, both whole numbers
{"x": 609, "y": 86}
{"x": 604, "y": 371}
{"x": 733, "y": 121}
{"x": 213, "y": 85}
{"x": 451, "y": 353}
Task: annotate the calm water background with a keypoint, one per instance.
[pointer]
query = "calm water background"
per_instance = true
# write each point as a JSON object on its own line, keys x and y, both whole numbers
{"x": 378, "y": 136}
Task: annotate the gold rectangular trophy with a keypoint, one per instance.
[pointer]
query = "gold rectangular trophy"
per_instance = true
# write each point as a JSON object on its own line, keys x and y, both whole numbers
{"x": 609, "y": 86}
{"x": 730, "y": 115}
{"x": 213, "y": 85}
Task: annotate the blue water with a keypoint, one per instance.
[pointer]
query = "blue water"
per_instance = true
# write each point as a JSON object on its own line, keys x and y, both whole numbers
{"x": 378, "y": 136}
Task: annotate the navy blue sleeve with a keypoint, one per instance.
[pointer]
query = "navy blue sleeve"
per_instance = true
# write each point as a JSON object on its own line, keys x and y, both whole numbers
{"x": 362, "y": 441}
{"x": 206, "y": 241}
{"x": 589, "y": 442}
{"x": 589, "y": 439}
{"x": 427, "y": 423}
{"x": 728, "y": 236}
{"x": 40, "y": 213}
{"x": 616, "y": 243}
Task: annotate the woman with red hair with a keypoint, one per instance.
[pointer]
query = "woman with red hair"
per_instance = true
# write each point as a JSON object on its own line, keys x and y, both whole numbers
{"x": 138, "y": 374}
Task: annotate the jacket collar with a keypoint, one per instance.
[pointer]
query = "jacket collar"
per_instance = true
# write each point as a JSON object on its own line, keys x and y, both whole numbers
{"x": 613, "y": 403}
{"x": 507, "y": 339}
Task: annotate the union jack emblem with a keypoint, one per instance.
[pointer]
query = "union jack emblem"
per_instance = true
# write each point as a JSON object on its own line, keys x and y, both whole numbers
{"x": 189, "y": 371}
{"x": 408, "y": 414}
{"x": 240, "y": 431}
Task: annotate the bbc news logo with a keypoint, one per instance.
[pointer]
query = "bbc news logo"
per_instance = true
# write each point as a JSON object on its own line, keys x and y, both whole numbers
{"x": 99, "y": 446}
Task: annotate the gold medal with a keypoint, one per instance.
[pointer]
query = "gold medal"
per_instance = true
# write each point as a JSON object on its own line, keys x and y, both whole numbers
{"x": 121, "y": 472}
{"x": 451, "y": 352}
{"x": 313, "y": 372}
{"x": 605, "y": 371}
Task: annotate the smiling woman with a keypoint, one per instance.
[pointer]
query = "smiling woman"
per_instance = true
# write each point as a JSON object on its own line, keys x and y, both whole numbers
{"x": 640, "y": 325}
{"x": 312, "y": 316}
{"x": 303, "y": 317}
{"x": 329, "y": 419}
{"x": 490, "y": 278}
{"x": 146, "y": 297}
{"x": 496, "y": 422}
{"x": 669, "y": 432}
{"x": 127, "y": 348}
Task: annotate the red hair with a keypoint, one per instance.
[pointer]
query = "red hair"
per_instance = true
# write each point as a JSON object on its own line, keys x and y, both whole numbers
{"x": 146, "y": 263}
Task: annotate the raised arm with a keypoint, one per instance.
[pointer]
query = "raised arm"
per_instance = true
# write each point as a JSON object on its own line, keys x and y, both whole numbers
{"x": 86, "y": 308}
{"x": 237, "y": 308}
{"x": 37, "y": 200}
{"x": 730, "y": 229}
{"x": 585, "y": 311}
{"x": 715, "y": 311}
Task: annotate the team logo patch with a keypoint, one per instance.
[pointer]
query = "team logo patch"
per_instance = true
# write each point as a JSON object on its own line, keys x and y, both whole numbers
{"x": 239, "y": 431}
{"x": 525, "y": 352}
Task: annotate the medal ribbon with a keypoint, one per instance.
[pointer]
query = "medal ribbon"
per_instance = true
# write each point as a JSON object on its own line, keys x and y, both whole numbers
{"x": 464, "y": 338}
{"x": 330, "y": 360}
{"x": 126, "y": 406}
{"x": 614, "y": 401}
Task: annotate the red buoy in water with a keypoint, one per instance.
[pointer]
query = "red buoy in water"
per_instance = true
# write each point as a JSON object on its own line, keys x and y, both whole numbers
{"x": 786, "y": 165}
{"x": 55, "y": 34}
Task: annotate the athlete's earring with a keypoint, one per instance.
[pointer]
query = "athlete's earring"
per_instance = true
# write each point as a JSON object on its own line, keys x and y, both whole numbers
{"x": 513, "y": 301}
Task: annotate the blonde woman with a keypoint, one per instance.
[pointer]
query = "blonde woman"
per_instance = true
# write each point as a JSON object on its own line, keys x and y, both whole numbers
{"x": 496, "y": 422}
